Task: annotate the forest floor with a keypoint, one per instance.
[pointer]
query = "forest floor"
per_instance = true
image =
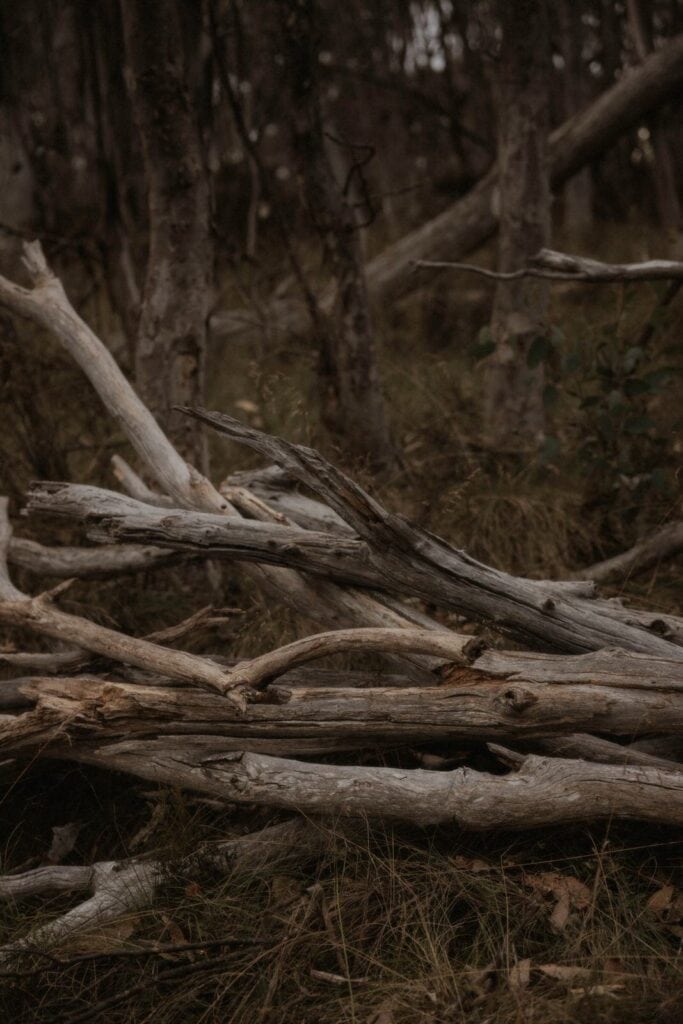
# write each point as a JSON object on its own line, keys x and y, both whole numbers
{"x": 433, "y": 926}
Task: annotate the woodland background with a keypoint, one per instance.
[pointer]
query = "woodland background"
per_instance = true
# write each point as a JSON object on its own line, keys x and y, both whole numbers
{"x": 236, "y": 196}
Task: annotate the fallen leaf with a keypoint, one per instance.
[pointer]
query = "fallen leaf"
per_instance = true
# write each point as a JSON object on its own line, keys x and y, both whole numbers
{"x": 63, "y": 841}
{"x": 106, "y": 939}
{"x": 519, "y": 974}
{"x": 245, "y": 405}
{"x": 557, "y": 885}
{"x": 562, "y": 972}
{"x": 472, "y": 864}
{"x": 384, "y": 1014}
{"x": 560, "y": 915}
{"x": 661, "y": 900}
{"x": 569, "y": 892}
{"x": 173, "y": 930}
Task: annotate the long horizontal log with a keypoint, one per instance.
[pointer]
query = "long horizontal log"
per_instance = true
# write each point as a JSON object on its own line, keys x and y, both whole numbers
{"x": 469, "y": 222}
{"x": 542, "y": 792}
{"x": 98, "y": 562}
{"x": 393, "y": 556}
{"x": 477, "y": 708}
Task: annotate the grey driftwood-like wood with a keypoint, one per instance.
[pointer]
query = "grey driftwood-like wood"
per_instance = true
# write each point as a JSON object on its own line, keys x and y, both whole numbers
{"x": 46, "y": 304}
{"x": 88, "y": 709}
{"x": 530, "y": 609}
{"x": 541, "y": 792}
{"x": 41, "y": 616}
{"x": 98, "y": 562}
{"x": 551, "y": 265}
{"x": 556, "y": 616}
{"x": 121, "y": 887}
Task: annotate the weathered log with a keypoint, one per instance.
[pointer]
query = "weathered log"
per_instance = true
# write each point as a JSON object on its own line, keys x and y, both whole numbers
{"x": 543, "y": 791}
{"x": 98, "y": 562}
{"x": 411, "y": 560}
{"x": 596, "y": 748}
{"x": 475, "y": 708}
{"x": 608, "y": 667}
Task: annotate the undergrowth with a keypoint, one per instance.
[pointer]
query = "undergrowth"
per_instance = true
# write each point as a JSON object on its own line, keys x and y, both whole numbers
{"x": 436, "y": 926}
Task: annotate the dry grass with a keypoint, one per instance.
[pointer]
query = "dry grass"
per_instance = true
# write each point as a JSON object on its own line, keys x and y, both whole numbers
{"x": 431, "y": 924}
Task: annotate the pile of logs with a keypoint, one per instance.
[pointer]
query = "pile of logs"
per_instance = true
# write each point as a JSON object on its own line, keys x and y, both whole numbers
{"x": 578, "y": 720}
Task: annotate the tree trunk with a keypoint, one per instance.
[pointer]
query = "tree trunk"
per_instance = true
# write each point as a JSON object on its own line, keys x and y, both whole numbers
{"x": 171, "y": 346}
{"x": 353, "y": 405}
{"x": 662, "y": 164}
{"x": 514, "y": 389}
{"x": 578, "y": 191}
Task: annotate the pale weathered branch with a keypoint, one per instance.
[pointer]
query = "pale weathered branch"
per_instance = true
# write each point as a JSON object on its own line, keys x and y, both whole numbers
{"x": 560, "y": 266}
{"x": 40, "y": 616}
{"x": 544, "y": 791}
{"x": 98, "y": 562}
{"x": 454, "y": 649}
{"x": 87, "y": 710}
{"x": 46, "y": 303}
{"x": 120, "y": 887}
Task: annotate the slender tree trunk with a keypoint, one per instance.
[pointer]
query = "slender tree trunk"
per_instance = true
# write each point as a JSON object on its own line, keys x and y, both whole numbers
{"x": 353, "y": 405}
{"x": 171, "y": 344}
{"x": 514, "y": 390}
{"x": 578, "y": 191}
{"x": 662, "y": 165}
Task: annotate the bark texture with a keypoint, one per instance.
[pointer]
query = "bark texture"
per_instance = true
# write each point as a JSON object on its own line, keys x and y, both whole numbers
{"x": 353, "y": 404}
{"x": 514, "y": 415}
{"x": 171, "y": 343}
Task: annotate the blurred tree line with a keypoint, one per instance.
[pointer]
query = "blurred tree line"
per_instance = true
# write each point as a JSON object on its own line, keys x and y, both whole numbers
{"x": 290, "y": 146}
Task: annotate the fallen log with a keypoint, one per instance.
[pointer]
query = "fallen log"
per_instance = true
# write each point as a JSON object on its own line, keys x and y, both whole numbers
{"x": 552, "y": 615}
{"x": 99, "y": 562}
{"x": 540, "y": 792}
{"x": 89, "y": 709}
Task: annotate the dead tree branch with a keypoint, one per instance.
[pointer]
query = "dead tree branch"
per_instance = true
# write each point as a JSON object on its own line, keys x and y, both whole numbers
{"x": 560, "y": 266}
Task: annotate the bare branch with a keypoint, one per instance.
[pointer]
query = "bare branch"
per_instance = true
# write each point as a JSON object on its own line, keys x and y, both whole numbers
{"x": 558, "y": 266}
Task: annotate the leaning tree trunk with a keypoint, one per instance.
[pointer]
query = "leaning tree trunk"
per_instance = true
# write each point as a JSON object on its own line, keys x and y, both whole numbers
{"x": 171, "y": 345}
{"x": 353, "y": 405}
{"x": 514, "y": 389}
